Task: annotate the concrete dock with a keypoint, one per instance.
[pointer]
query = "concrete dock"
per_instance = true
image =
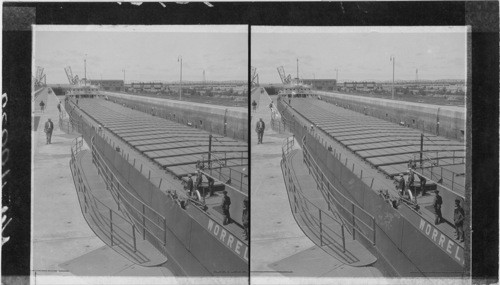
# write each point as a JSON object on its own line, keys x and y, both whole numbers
{"x": 281, "y": 252}
{"x": 60, "y": 234}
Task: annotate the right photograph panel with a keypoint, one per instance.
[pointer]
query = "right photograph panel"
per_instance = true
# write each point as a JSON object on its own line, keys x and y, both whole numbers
{"x": 358, "y": 152}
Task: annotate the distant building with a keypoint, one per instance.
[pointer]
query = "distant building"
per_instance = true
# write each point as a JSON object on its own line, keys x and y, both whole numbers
{"x": 364, "y": 86}
{"x": 321, "y": 84}
{"x": 108, "y": 85}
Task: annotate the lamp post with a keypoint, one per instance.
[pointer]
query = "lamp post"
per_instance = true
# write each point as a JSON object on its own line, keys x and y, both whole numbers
{"x": 85, "y": 70}
{"x": 393, "y": 59}
{"x": 180, "y": 81}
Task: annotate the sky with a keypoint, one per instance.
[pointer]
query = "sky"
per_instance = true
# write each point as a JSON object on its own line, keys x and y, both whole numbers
{"x": 360, "y": 53}
{"x": 147, "y": 53}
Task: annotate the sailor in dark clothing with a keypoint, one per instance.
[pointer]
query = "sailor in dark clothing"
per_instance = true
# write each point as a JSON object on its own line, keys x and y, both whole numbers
{"x": 254, "y": 105}
{"x": 245, "y": 218}
{"x": 189, "y": 185}
{"x": 259, "y": 128}
{"x": 59, "y": 107}
{"x": 42, "y": 106}
{"x": 422, "y": 184}
{"x": 402, "y": 184}
{"x": 211, "y": 182}
{"x": 226, "y": 202}
{"x": 458, "y": 219}
{"x": 49, "y": 127}
{"x": 438, "y": 201}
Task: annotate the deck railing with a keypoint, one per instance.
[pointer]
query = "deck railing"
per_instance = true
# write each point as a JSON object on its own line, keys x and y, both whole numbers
{"x": 101, "y": 214}
{"x": 359, "y": 221}
{"x": 145, "y": 217}
{"x": 320, "y": 222}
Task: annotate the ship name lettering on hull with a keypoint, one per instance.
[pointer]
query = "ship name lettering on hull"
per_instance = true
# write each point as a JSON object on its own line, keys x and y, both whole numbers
{"x": 228, "y": 240}
{"x": 445, "y": 243}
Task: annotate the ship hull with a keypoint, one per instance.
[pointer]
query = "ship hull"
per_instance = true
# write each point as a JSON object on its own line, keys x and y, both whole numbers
{"x": 174, "y": 231}
{"x": 409, "y": 244}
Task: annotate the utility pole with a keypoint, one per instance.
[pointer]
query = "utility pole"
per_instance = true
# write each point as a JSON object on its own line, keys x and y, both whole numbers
{"x": 180, "y": 81}
{"x": 85, "y": 68}
{"x": 393, "y": 59}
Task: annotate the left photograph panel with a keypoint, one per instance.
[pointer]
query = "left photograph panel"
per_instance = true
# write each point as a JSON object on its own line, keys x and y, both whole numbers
{"x": 140, "y": 152}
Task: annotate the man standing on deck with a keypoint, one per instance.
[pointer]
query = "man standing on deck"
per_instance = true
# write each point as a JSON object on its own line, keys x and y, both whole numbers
{"x": 422, "y": 184}
{"x": 189, "y": 185}
{"x": 49, "y": 127}
{"x": 245, "y": 217}
{"x": 261, "y": 126}
{"x": 458, "y": 219}
{"x": 199, "y": 180}
{"x": 59, "y": 106}
{"x": 438, "y": 201}
{"x": 226, "y": 202}
{"x": 211, "y": 182}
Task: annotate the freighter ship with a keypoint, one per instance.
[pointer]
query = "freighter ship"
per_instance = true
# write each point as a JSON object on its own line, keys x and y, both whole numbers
{"x": 357, "y": 161}
{"x": 143, "y": 158}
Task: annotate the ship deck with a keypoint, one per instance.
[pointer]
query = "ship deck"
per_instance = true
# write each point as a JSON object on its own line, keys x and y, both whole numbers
{"x": 137, "y": 134}
{"x": 370, "y": 141}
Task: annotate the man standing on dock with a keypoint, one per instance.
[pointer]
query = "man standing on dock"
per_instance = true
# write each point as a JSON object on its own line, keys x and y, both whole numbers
{"x": 458, "y": 219}
{"x": 226, "y": 202}
{"x": 49, "y": 127}
{"x": 438, "y": 201}
{"x": 261, "y": 126}
{"x": 42, "y": 106}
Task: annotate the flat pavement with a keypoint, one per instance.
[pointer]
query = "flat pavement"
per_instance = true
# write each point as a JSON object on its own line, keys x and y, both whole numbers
{"x": 280, "y": 250}
{"x": 60, "y": 234}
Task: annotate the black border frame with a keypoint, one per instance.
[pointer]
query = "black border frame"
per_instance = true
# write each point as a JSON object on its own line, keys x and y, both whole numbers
{"x": 482, "y": 131}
